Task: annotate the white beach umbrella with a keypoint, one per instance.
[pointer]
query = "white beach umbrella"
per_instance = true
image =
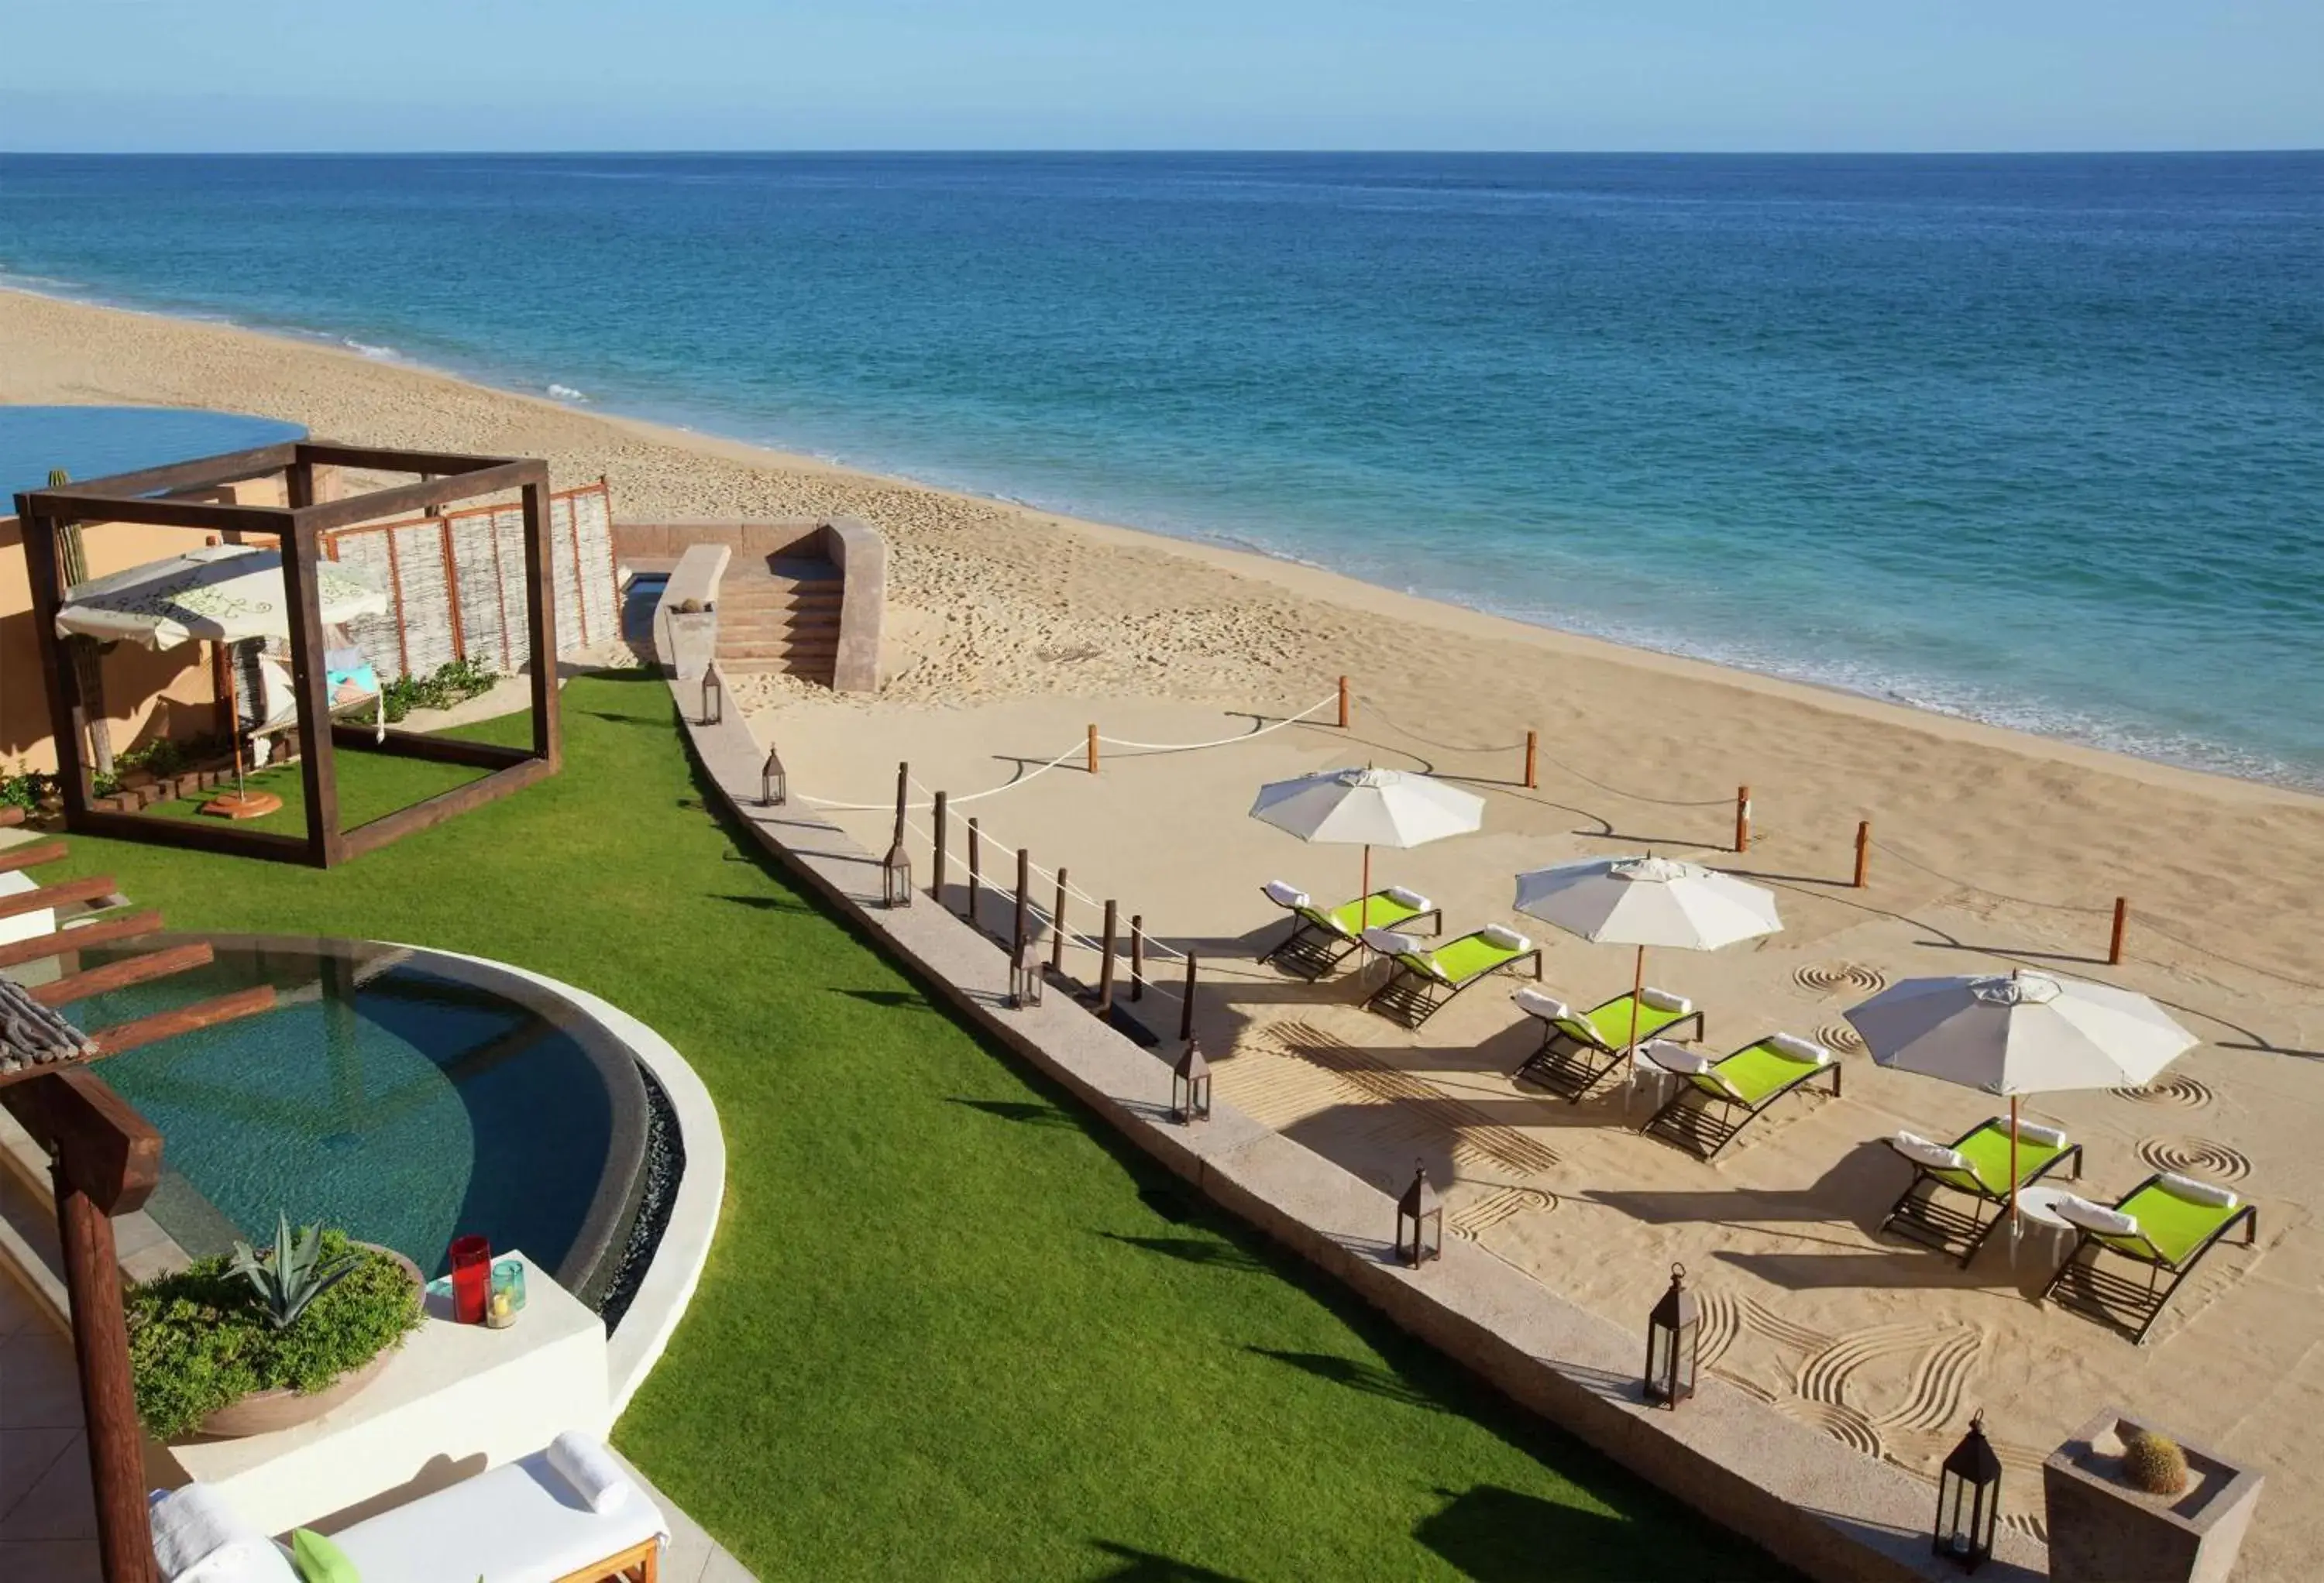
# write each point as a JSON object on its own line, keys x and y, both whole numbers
{"x": 1368, "y": 807}
{"x": 1647, "y": 901}
{"x": 220, "y": 593}
{"x": 2020, "y": 1033}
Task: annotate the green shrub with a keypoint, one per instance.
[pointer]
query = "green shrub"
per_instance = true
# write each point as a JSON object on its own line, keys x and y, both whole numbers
{"x": 199, "y": 1340}
{"x": 454, "y": 683}
{"x": 24, "y": 788}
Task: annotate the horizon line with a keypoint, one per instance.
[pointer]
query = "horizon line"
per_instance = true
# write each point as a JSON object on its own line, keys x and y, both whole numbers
{"x": 877, "y": 152}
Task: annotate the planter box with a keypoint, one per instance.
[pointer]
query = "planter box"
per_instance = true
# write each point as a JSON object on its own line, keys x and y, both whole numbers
{"x": 2102, "y": 1531}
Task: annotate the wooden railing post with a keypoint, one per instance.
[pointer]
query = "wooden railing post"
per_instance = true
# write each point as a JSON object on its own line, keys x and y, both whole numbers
{"x": 1137, "y": 956}
{"x": 975, "y": 873}
{"x": 2121, "y": 919}
{"x": 1742, "y": 818}
{"x": 1533, "y": 760}
{"x": 1186, "y": 1010}
{"x": 1105, "y": 966}
{"x": 941, "y": 813}
{"x": 1057, "y": 927}
{"x": 1344, "y": 716}
{"x": 1863, "y": 850}
{"x": 1092, "y": 749}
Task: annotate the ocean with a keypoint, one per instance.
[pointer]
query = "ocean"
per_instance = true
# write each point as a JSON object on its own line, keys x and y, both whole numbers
{"x": 2037, "y": 440}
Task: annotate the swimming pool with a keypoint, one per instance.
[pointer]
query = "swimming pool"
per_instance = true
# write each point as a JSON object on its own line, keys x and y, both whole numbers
{"x": 404, "y": 1095}
{"x": 96, "y": 441}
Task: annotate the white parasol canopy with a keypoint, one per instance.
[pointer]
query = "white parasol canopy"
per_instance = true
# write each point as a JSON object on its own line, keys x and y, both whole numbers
{"x": 1370, "y": 808}
{"x": 1647, "y": 901}
{"x": 220, "y": 593}
{"x": 2020, "y": 1033}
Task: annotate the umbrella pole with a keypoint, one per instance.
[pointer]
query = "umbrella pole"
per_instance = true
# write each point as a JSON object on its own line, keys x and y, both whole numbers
{"x": 1364, "y": 907}
{"x": 2014, "y": 1227}
{"x": 1637, "y": 988}
{"x": 233, "y": 717}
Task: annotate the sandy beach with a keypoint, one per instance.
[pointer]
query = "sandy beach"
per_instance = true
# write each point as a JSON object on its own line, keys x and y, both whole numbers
{"x": 1012, "y": 629}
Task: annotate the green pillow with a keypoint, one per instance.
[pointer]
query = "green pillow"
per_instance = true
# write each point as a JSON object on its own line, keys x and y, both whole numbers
{"x": 319, "y": 1560}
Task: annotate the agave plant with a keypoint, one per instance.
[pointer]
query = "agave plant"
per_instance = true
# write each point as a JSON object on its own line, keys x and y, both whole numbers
{"x": 291, "y": 1274}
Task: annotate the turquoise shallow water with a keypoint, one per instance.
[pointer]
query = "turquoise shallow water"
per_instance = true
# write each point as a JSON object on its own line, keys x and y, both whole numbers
{"x": 2035, "y": 440}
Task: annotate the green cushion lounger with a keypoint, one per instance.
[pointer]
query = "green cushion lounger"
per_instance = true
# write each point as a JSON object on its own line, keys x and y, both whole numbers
{"x": 1420, "y": 981}
{"x": 1974, "y": 1165}
{"x": 2168, "y": 1222}
{"x": 1579, "y": 1048}
{"x": 1321, "y": 940}
{"x": 1718, "y": 1098}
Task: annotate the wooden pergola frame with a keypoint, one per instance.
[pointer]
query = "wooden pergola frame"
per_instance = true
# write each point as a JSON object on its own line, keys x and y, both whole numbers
{"x": 146, "y": 497}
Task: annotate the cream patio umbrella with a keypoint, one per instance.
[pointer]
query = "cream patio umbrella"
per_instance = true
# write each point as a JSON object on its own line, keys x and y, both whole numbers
{"x": 1647, "y": 901}
{"x": 2020, "y": 1033}
{"x": 226, "y": 594}
{"x": 1368, "y": 807}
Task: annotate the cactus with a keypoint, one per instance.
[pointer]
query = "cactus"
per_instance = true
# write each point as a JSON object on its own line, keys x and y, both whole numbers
{"x": 287, "y": 1276}
{"x": 2154, "y": 1464}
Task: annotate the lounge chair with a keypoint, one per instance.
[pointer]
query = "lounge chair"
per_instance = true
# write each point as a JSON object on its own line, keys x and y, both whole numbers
{"x": 1421, "y": 981}
{"x": 1579, "y": 1048}
{"x": 1720, "y": 1098}
{"x": 2168, "y": 1222}
{"x": 1319, "y": 941}
{"x": 566, "y": 1514}
{"x": 1975, "y": 1165}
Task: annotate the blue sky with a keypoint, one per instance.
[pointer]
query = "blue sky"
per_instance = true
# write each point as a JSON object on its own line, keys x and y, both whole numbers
{"x": 221, "y": 75}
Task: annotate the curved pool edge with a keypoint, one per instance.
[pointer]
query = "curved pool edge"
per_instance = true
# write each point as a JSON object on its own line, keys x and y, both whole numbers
{"x": 675, "y": 1271}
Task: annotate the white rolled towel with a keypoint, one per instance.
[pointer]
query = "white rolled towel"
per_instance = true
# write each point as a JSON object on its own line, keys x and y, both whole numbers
{"x": 1506, "y": 938}
{"x": 2196, "y": 1193}
{"x": 1388, "y": 942}
{"x": 1411, "y": 898}
{"x": 198, "y": 1539}
{"x": 1283, "y": 893}
{"x": 2091, "y": 1217}
{"x": 1675, "y": 1058}
{"x": 1533, "y": 1002}
{"x": 1936, "y": 1157}
{"x": 1800, "y": 1049}
{"x": 591, "y": 1470}
{"x": 2049, "y": 1137}
{"x": 1663, "y": 1001}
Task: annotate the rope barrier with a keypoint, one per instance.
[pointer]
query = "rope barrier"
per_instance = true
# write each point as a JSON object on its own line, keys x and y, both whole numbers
{"x": 1247, "y": 736}
{"x": 2053, "y": 907}
{"x": 2148, "y": 926}
{"x": 1373, "y": 705}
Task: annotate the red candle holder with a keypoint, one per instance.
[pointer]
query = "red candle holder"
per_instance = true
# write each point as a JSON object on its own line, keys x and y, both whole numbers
{"x": 471, "y": 1279}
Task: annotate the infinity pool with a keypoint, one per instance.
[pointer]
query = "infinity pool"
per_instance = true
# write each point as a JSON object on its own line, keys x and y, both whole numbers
{"x": 409, "y": 1097}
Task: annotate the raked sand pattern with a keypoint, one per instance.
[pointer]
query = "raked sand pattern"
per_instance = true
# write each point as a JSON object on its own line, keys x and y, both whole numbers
{"x": 1012, "y": 629}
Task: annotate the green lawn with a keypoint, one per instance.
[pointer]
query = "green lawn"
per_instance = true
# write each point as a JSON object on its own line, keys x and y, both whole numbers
{"x": 948, "y": 1330}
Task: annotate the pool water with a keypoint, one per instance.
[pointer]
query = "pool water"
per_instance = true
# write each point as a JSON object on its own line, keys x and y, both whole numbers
{"x": 407, "y": 1099}
{"x": 640, "y": 596}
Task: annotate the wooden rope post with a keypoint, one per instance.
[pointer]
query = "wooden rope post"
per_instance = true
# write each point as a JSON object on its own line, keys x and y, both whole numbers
{"x": 1533, "y": 760}
{"x": 1092, "y": 749}
{"x": 1105, "y": 966}
{"x": 1863, "y": 850}
{"x": 1057, "y": 927}
{"x": 1137, "y": 956}
{"x": 1186, "y": 1010}
{"x": 2121, "y": 919}
{"x": 942, "y": 813}
{"x": 1742, "y": 818}
{"x": 1343, "y": 703}
{"x": 1017, "y": 935}
{"x": 975, "y": 871}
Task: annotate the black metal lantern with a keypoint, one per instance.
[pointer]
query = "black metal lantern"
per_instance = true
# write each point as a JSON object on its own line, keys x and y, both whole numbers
{"x": 774, "y": 785}
{"x": 1969, "y": 1500}
{"x": 1673, "y": 1343}
{"x": 896, "y": 868}
{"x": 714, "y": 696}
{"x": 1190, "y": 1087}
{"x": 1419, "y": 1221}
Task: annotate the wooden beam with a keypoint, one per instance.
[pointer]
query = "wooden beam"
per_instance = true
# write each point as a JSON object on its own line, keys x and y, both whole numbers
{"x": 437, "y": 750}
{"x": 63, "y": 894}
{"x": 33, "y": 856}
{"x": 113, "y": 1154}
{"x": 540, "y": 621}
{"x": 203, "y": 471}
{"x": 206, "y": 835}
{"x": 45, "y": 575}
{"x": 60, "y": 942}
{"x": 303, "y": 609}
{"x": 73, "y": 505}
{"x": 443, "y": 805}
{"x": 405, "y": 498}
{"x": 385, "y": 459}
{"x": 120, "y": 975}
{"x": 185, "y": 1019}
